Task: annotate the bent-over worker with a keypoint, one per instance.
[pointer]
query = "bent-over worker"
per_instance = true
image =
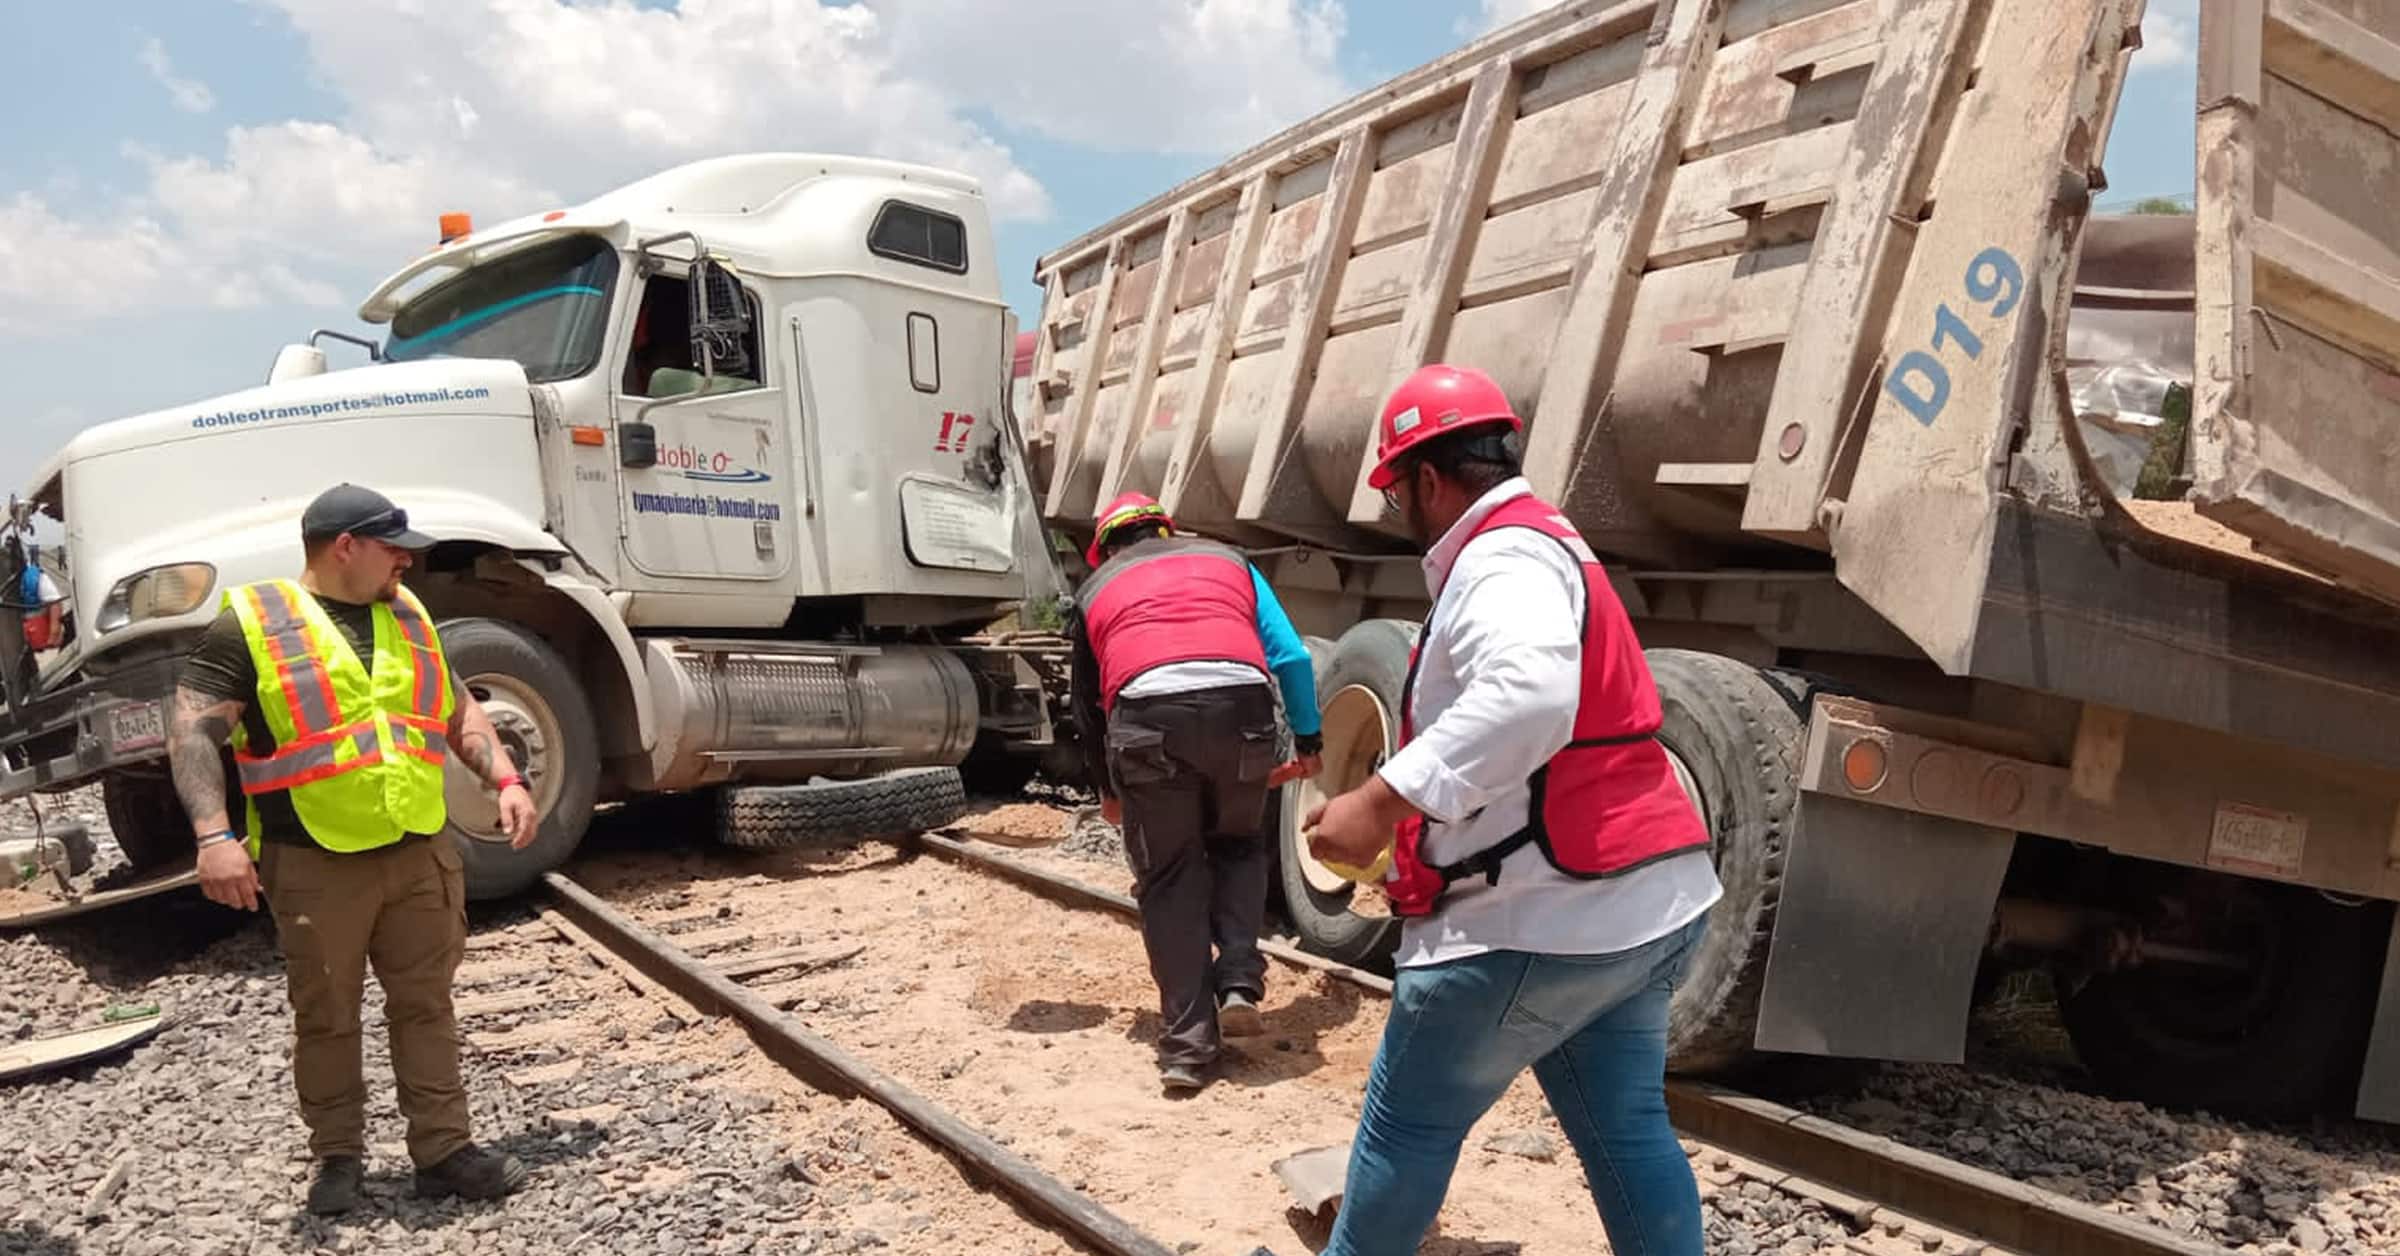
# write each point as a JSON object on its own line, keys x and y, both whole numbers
{"x": 1174, "y": 639}
{"x": 1551, "y": 875}
{"x": 341, "y": 710}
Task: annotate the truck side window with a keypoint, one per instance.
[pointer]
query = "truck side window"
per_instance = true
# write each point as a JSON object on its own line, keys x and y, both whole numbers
{"x": 920, "y": 237}
{"x": 660, "y": 362}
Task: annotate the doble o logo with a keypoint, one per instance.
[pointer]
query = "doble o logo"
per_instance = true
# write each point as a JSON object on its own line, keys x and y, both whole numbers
{"x": 686, "y": 458}
{"x": 700, "y": 464}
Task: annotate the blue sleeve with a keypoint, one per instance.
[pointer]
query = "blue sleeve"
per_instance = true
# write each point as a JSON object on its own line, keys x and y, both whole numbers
{"x": 1287, "y": 657}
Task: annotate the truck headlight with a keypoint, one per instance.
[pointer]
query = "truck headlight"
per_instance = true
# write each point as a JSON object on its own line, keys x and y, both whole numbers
{"x": 156, "y": 593}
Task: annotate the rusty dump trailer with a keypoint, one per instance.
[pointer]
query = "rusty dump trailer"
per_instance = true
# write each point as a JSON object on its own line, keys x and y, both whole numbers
{"x": 1975, "y": 655}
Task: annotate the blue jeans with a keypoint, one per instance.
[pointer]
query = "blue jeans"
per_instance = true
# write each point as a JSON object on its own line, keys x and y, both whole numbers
{"x": 1594, "y": 1029}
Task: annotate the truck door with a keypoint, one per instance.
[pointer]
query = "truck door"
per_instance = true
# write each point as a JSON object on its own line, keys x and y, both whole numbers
{"x": 717, "y": 503}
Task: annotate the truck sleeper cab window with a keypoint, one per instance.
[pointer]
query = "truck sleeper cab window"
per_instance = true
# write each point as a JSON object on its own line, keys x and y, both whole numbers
{"x": 920, "y": 237}
{"x": 658, "y": 357}
{"x": 545, "y": 308}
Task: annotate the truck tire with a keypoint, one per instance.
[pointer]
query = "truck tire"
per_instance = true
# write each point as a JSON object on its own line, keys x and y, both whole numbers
{"x": 147, "y": 819}
{"x": 545, "y": 723}
{"x": 1358, "y": 696}
{"x": 1734, "y": 736}
{"x": 2281, "y": 1040}
{"x": 826, "y": 813}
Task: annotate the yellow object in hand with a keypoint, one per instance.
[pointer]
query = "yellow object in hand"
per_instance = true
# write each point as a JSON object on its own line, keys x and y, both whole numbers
{"x": 1372, "y": 874}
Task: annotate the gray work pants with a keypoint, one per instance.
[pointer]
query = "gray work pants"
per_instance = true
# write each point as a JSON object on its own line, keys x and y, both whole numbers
{"x": 1191, "y": 769}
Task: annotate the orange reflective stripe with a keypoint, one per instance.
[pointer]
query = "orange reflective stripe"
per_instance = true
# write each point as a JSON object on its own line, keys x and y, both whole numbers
{"x": 311, "y": 760}
{"x": 427, "y": 694}
{"x": 306, "y": 684}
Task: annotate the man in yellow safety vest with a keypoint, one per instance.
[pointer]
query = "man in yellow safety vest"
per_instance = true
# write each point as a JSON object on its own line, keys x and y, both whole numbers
{"x": 342, "y": 711}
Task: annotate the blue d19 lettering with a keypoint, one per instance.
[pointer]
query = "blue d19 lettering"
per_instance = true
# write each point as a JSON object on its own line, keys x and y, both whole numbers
{"x": 1918, "y": 381}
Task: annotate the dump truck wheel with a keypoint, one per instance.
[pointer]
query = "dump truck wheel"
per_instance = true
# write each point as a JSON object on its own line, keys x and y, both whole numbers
{"x": 2278, "y": 1037}
{"x": 147, "y": 819}
{"x": 1358, "y": 698}
{"x": 545, "y": 723}
{"x": 1733, "y": 735}
{"x": 827, "y": 813}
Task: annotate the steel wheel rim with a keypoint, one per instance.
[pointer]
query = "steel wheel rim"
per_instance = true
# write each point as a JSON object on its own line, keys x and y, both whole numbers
{"x": 1358, "y": 732}
{"x": 531, "y": 733}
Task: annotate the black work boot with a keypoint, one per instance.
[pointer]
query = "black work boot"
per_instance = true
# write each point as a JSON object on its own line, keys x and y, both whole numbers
{"x": 471, "y": 1173}
{"x": 336, "y": 1187}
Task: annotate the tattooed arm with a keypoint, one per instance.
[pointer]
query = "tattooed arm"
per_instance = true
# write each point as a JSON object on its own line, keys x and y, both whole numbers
{"x": 202, "y": 723}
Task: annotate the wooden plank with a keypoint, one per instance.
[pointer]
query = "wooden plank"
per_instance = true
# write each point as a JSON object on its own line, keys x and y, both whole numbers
{"x": 1072, "y": 433}
{"x": 790, "y": 1042}
{"x": 565, "y": 1070}
{"x": 1854, "y": 272}
{"x": 1450, "y": 245}
{"x": 37, "y": 1055}
{"x": 1304, "y": 339}
{"x": 1608, "y": 273}
{"x": 615, "y": 963}
{"x": 503, "y": 1003}
{"x": 1143, "y": 376}
{"x": 806, "y": 960}
{"x": 1207, "y": 388}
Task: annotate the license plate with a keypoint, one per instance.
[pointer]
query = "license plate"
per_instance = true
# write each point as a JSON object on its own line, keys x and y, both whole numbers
{"x": 137, "y": 726}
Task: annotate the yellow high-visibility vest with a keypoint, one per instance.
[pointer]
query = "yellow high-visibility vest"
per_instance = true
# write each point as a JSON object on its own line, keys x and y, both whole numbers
{"x": 360, "y": 754}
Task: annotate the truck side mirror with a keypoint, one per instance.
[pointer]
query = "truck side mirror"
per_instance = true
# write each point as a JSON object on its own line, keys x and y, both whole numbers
{"x": 720, "y": 320}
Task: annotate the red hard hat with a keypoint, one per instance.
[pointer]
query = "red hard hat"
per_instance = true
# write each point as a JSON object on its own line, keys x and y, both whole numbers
{"x": 1126, "y": 509}
{"x": 1435, "y": 401}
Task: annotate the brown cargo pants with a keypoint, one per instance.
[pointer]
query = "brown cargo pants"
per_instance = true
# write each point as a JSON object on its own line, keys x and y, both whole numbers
{"x": 1191, "y": 769}
{"x": 402, "y": 908}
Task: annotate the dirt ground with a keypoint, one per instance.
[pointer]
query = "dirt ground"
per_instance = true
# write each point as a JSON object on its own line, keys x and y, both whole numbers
{"x": 1037, "y": 1024}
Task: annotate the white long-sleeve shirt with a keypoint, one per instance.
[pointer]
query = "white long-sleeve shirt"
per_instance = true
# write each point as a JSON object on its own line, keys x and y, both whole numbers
{"x": 1499, "y": 674}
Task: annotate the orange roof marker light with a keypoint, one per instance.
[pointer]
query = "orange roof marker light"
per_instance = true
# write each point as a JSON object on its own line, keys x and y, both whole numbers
{"x": 455, "y": 226}
{"x": 554, "y": 215}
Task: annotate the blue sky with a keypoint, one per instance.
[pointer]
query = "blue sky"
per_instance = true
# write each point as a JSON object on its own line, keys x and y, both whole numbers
{"x": 190, "y": 184}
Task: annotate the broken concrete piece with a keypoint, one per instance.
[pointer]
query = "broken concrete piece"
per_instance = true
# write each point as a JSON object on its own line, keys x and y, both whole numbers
{"x": 1315, "y": 1177}
{"x": 1531, "y": 1144}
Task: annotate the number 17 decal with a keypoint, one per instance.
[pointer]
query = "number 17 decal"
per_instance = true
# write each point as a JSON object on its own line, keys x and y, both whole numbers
{"x": 954, "y": 432}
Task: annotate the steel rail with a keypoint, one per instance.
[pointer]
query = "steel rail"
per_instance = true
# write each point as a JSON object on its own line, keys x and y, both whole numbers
{"x": 1924, "y": 1186}
{"x": 827, "y": 1066}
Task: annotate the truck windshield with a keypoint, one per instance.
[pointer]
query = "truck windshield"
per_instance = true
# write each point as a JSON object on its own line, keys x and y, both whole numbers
{"x": 545, "y": 308}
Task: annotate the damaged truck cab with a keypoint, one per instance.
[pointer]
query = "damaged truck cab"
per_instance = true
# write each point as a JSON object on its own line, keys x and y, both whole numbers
{"x": 725, "y": 483}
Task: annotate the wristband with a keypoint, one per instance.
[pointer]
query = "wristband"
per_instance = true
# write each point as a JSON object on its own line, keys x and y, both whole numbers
{"x": 508, "y": 780}
{"x": 211, "y": 839}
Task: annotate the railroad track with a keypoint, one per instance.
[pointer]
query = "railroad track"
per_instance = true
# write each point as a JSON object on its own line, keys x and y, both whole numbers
{"x": 1890, "y": 1190}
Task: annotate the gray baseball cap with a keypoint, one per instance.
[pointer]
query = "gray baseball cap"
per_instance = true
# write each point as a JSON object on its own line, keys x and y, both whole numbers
{"x": 360, "y": 512}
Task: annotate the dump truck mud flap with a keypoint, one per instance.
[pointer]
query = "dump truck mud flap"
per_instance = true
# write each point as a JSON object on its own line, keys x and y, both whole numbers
{"x": 2379, "y": 1077}
{"x": 1878, "y": 932}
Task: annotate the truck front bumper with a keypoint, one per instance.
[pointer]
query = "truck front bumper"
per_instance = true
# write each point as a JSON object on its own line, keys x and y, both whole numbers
{"x": 72, "y": 734}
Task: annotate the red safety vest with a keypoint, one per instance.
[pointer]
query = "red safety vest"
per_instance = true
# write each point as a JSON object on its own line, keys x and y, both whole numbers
{"x": 1605, "y": 804}
{"x": 1173, "y": 600}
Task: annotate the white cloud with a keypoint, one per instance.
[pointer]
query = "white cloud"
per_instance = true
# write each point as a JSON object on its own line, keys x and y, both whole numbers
{"x": 189, "y": 95}
{"x": 501, "y": 107}
{"x": 2167, "y": 36}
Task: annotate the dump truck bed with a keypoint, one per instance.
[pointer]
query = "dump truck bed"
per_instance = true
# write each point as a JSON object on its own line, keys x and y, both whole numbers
{"x": 1775, "y": 282}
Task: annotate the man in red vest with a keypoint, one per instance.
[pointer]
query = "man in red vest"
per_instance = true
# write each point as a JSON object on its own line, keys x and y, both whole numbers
{"x": 1551, "y": 875}
{"x": 1174, "y": 640}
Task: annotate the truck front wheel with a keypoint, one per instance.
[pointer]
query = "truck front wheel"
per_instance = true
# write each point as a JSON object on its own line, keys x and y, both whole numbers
{"x": 545, "y": 723}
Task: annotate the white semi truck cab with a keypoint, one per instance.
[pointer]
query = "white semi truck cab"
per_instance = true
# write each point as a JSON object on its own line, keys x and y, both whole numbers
{"x": 726, "y": 485}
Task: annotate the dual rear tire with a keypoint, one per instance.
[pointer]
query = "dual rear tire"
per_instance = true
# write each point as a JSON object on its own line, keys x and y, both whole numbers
{"x": 1734, "y": 738}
